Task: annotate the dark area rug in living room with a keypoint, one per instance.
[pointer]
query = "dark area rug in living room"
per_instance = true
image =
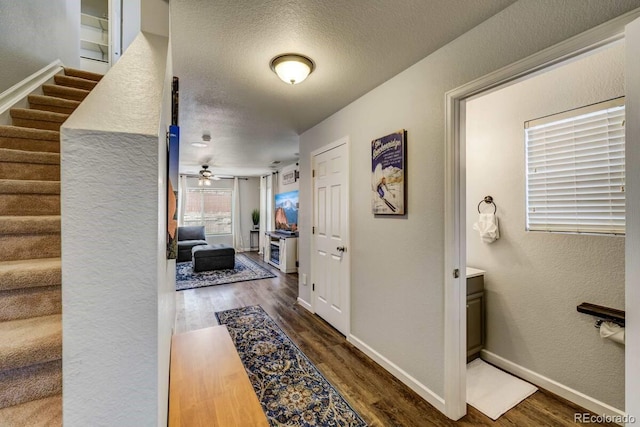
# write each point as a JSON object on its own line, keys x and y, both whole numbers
{"x": 290, "y": 388}
{"x": 244, "y": 270}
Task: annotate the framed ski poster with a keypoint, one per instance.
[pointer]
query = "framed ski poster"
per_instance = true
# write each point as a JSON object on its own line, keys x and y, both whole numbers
{"x": 388, "y": 184}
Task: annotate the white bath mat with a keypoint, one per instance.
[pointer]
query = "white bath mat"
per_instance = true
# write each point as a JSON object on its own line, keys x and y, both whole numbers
{"x": 492, "y": 391}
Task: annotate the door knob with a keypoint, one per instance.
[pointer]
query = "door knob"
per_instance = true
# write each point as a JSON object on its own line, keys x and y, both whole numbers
{"x": 341, "y": 249}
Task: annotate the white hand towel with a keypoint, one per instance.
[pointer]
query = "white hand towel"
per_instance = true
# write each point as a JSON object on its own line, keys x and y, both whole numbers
{"x": 487, "y": 226}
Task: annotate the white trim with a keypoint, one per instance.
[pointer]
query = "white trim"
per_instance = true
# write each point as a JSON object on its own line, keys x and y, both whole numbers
{"x": 21, "y": 90}
{"x": 455, "y": 244}
{"x": 331, "y": 146}
{"x": 581, "y": 399}
{"x": 345, "y": 140}
{"x": 305, "y": 305}
{"x": 415, "y": 385}
{"x": 632, "y": 240}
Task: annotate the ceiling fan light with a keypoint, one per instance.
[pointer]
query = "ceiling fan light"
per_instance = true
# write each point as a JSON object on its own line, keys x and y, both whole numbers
{"x": 292, "y": 68}
{"x": 205, "y": 172}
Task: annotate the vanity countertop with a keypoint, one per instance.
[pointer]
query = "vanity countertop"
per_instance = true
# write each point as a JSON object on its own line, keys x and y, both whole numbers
{"x": 473, "y": 272}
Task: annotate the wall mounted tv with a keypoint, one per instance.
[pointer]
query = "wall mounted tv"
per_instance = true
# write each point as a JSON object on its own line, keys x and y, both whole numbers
{"x": 286, "y": 213}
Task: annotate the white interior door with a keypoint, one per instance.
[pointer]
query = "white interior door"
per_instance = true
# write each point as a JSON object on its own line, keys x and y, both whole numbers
{"x": 330, "y": 257}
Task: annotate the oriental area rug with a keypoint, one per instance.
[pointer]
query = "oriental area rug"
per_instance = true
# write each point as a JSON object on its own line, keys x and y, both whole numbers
{"x": 245, "y": 269}
{"x": 290, "y": 388}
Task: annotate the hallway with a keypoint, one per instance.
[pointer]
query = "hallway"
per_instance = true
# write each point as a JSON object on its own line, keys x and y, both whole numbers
{"x": 380, "y": 399}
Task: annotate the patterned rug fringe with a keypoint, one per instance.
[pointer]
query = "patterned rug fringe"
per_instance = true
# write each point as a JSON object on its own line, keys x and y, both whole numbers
{"x": 290, "y": 388}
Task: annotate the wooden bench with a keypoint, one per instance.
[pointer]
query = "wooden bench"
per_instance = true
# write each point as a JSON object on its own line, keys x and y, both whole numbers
{"x": 208, "y": 383}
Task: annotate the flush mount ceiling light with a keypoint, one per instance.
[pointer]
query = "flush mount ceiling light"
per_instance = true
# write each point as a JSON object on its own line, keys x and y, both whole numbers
{"x": 206, "y": 137}
{"x": 292, "y": 68}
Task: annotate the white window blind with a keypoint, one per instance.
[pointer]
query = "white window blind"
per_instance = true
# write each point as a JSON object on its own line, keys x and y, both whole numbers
{"x": 576, "y": 170}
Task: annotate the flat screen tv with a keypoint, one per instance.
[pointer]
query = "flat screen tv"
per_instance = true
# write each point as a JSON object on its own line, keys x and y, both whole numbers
{"x": 286, "y": 213}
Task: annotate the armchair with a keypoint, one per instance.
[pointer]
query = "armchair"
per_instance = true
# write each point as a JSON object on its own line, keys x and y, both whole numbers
{"x": 188, "y": 237}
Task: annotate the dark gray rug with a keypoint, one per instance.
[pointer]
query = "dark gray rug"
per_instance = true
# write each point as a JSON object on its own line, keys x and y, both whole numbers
{"x": 244, "y": 270}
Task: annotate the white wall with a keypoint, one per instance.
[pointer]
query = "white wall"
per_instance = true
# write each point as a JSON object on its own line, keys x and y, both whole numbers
{"x": 534, "y": 281}
{"x": 282, "y": 187}
{"x": 117, "y": 305}
{"x": 397, "y": 272}
{"x": 32, "y": 36}
{"x": 155, "y": 17}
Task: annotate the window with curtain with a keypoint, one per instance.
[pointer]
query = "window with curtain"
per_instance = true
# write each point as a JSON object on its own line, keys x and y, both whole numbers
{"x": 575, "y": 170}
{"x": 209, "y": 207}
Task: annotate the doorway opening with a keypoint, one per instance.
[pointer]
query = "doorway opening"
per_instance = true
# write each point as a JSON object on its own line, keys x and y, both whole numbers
{"x": 542, "y": 246}
{"x": 457, "y": 205}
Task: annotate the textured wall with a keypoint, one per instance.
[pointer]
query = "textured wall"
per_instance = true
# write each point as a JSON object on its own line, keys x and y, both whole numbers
{"x": 116, "y": 313}
{"x": 166, "y": 267}
{"x": 397, "y": 272}
{"x": 32, "y": 36}
{"x": 535, "y": 280}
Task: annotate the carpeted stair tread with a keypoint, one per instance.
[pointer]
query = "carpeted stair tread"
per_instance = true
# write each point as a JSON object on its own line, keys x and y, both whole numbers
{"x": 30, "y": 341}
{"x": 74, "y": 72}
{"x": 30, "y": 303}
{"x": 29, "y": 139}
{"x": 65, "y": 92}
{"x": 28, "y": 205}
{"x": 20, "y": 156}
{"x": 30, "y": 224}
{"x": 72, "y": 81}
{"x": 39, "y": 119}
{"x": 21, "y": 186}
{"x": 28, "y": 165}
{"x": 27, "y": 273}
{"x": 30, "y": 383}
{"x": 51, "y": 103}
{"x": 29, "y": 133}
{"x": 45, "y": 116}
{"x": 29, "y": 246}
{"x": 45, "y": 412}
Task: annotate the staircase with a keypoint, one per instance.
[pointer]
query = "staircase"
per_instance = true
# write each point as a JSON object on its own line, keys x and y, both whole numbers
{"x": 30, "y": 272}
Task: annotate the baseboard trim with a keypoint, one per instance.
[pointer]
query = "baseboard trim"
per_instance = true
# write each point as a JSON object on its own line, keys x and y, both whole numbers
{"x": 21, "y": 90}
{"x": 581, "y": 399}
{"x": 305, "y": 304}
{"x": 399, "y": 373}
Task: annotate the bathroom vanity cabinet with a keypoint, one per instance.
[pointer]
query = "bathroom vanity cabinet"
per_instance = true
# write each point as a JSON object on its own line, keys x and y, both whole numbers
{"x": 475, "y": 313}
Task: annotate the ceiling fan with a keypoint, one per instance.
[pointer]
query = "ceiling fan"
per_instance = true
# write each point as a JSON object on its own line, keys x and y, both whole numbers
{"x": 205, "y": 176}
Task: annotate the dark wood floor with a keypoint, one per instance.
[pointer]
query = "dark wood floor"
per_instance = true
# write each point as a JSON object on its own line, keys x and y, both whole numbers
{"x": 381, "y": 399}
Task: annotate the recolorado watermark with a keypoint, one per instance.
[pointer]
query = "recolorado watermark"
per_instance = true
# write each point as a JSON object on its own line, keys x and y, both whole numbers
{"x": 589, "y": 418}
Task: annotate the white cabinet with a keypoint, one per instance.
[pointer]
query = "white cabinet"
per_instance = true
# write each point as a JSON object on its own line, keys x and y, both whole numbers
{"x": 281, "y": 251}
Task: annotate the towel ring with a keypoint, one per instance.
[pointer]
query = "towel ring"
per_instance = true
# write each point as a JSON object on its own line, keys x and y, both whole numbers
{"x": 488, "y": 200}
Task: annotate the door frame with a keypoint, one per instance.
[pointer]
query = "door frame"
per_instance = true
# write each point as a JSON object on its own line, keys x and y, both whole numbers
{"x": 345, "y": 140}
{"x": 455, "y": 191}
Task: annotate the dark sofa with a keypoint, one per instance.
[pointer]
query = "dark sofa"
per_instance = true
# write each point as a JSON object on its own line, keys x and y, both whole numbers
{"x": 188, "y": 237}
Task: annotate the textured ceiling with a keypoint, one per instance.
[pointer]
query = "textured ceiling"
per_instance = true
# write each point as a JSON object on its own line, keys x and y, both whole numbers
{"x": 222, "y": 49}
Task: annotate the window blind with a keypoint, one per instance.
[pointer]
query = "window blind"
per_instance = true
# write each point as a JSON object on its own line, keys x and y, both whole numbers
{"x": 576, "y": 170}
